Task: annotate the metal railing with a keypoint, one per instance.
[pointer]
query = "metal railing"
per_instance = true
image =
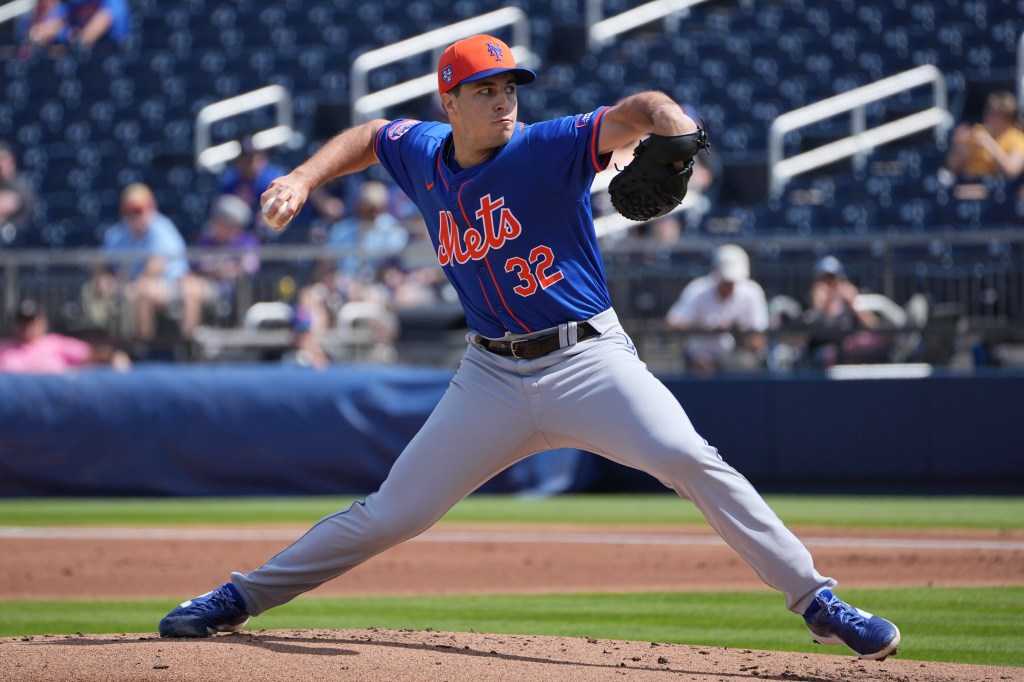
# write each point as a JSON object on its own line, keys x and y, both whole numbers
{"x": 44, "y": 266}
{"x": 367, "y": 105}
{"x": 1020, "y": 69}
{"x": 862, "y": 139}
{"x": 212, "y": 157}
{"x": 601, "y": 31}
{"x": 974, "y": 301}
{"x": 15, "y": 8}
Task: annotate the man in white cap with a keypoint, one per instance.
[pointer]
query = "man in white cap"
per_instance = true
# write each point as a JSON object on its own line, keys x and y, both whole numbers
{"x": 728, "y": 305}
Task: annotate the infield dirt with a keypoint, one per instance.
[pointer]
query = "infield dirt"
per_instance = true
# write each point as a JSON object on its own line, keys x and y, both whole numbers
{"x": 473, "y": 559}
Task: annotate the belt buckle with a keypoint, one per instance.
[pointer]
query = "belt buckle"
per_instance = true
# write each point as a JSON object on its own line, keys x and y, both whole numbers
{"x": 512, "y": 350}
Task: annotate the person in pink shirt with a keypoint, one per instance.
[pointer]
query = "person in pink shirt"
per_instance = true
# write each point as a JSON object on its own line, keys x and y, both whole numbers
{"x": 34, "y": 350}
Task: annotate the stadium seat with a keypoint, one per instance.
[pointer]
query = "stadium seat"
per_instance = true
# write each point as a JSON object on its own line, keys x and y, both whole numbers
{"x": 740, "y": 64}
{"x": 268, "y": 315}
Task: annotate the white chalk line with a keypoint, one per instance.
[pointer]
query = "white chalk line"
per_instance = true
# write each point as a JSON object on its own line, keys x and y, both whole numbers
{"x": 489, "y": 536}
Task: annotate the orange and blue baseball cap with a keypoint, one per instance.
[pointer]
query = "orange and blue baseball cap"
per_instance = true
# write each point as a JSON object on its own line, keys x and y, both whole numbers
{"x": 475, "y": 58}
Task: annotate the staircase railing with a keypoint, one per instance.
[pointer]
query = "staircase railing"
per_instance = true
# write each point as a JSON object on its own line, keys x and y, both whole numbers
{"x": 862, "y": 139}
{"x": 1020, "y": 69}
{"x": 15, "y": 8}
{"x": 367, "y": 105}
{"x": 601, "y": 31}
{"x": 211, "y": 156}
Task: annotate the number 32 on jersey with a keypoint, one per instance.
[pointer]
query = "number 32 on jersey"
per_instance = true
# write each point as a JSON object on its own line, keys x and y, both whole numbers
{"x": 537, "y": 271}
{"x": 499, "y": 226}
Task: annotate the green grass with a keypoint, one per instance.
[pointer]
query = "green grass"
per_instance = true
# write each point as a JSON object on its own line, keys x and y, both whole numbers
{"x": 992, "y": 513}
{"x": 956, "y": 625}
{"x": 980, "y": 625}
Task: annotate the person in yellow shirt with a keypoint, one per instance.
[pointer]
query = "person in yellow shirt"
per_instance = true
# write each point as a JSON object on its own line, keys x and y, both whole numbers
{"x": 992, "y": 148}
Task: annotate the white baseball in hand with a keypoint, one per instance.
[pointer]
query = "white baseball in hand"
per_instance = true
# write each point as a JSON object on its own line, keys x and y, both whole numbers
{"x": 276, "y": 218}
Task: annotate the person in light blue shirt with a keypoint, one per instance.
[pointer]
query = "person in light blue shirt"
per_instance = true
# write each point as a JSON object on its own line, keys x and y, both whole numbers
{"x": 87, "y": 22}
{"x": 373, "y": 234}
{"x": 148, "y": 281}
{"x": 81, "y": 23}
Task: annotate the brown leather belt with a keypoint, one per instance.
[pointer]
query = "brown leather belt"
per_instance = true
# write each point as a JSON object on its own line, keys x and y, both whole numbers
{"x": 529, "y": 349}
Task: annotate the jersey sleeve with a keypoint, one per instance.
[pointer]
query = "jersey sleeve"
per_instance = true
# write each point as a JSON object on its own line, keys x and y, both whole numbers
{"x": 565, "y": 150}
{"x": 402, "y": 148}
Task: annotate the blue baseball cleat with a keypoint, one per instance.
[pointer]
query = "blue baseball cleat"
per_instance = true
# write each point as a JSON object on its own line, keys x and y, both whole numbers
{"x": 833, "y": 621}
{"x": 222, "y": 610}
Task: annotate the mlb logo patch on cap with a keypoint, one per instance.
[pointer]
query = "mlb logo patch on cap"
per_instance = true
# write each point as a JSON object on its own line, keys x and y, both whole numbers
{"x": 476, "y": 58}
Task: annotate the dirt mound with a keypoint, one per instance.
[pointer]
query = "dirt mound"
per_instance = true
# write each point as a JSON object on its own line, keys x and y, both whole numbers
{"x": 387, "y": 655}
{"x": 130, "y": 563}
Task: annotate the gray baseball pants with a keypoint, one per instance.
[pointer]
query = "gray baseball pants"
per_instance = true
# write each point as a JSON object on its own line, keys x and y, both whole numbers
{"x": 597, "y": 396}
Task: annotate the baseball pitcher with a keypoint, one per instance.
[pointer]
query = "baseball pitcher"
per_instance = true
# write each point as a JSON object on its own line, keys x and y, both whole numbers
{"x": 547, "y": 364}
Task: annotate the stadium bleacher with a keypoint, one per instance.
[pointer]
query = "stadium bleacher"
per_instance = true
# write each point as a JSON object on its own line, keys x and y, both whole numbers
{"x": 93, "y": 121}
{"x": 88, "y": 123}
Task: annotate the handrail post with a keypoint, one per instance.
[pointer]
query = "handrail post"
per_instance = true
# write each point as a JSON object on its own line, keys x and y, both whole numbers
{"x": 16, "y": 8}
{"x": 593, "y": 12}
{"x": 1020, "y": 68}
{"x": 599, "y": 33}
{"x": 858, "y": 124}
{"x": 862, "y": 139}
{"x": 210, "y": 156}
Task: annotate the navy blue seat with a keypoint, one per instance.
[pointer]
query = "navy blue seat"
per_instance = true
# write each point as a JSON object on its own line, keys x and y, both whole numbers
{"x": 872, "y": 17}
{"x": 117, "y": 115}
{"x": 819, "y": 18}
{"x": 741, "y": 93}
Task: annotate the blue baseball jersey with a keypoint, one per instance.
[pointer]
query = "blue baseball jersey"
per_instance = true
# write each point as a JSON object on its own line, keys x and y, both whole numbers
{"x": 514, "y": 234}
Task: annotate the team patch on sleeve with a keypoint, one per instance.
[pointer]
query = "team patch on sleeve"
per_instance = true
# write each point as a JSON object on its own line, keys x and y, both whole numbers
{"x": 583, "y": 120}
{"x": 401, "y": 127}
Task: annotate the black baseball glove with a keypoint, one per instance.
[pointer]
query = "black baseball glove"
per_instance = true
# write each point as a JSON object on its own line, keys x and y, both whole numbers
{"x": 650, "y": 186}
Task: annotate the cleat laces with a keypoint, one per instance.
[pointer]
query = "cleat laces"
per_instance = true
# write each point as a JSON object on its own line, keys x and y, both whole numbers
{"x": 218, "y": 601}
{"x": 846, "y": 614}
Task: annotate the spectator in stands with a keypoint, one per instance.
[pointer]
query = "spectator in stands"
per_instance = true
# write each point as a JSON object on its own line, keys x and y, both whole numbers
{"x": 372, "y": 234}
{"x": 370, "y": 282}
{"x": 666, "y": 232}
{"x": 307, "y": 349}
{"x": 405, "y": 288}
{"x": 657, "y": 240}
{"x": 728, "y": 314}
{"x": 840, "y": 331}
{"x": 992, "y": 148}
{"x": 79, "y": 22}
{"x": 332, "y": 300}
{"x": 35, "y": 350}
{"x": 213, "y": 277}
{"x": 17, "y": 198}
{"x": 329, "y": 206}
{"x": 146, "y": 284}
{"x": 40, "y": 26}
{"x": 248, "y": 177}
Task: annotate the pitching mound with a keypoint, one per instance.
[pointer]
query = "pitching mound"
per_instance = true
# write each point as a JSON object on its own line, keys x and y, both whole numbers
{"x": 387, "y": 655}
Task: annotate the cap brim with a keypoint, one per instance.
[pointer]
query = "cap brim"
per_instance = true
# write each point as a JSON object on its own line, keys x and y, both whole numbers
{"x": 522, "y": 76}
